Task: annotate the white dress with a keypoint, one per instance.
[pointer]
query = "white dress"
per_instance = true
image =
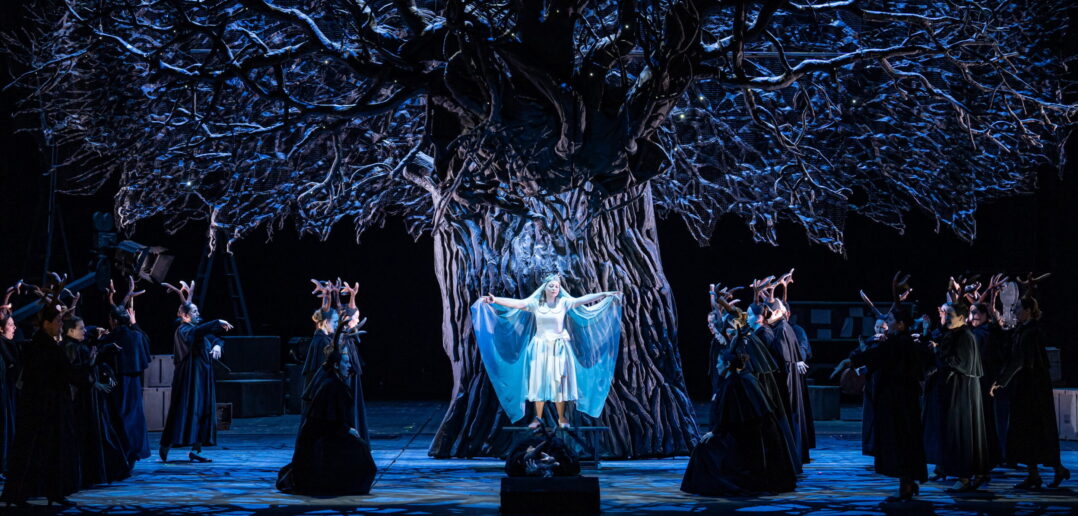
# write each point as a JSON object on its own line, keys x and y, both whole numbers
{"x": 551, "y": 371}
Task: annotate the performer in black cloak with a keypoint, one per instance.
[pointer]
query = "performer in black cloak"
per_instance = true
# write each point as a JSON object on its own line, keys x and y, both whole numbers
{"x": 353, "y": 361}
{"x": 872, "y": 380}
{"x": 1033, "y": 438}
{"x": 44, "y": 458}
{"x": 802, "y": 335}
{"x": 325, "y": 326}
{"x": 132, "y": 359}
{"x": 955, "y": 439}
{"x": 1003, "y": 308}
{"x": 102, "y": 454}
{"x": 983, "y": 329}
{"x": 718, "y": 343}
{"x": 330, "y": 457}
{"x": 897, "y": 364}
{"x": 192, "y": 415}
{"x": 738, "y": 332}
{"x": 741, "y": 455}
{"x": 787, "y": 351}
{"x": 8, "y": 374}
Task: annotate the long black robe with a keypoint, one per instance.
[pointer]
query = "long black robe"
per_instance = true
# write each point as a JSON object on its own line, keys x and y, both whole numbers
{"x": 192, "y": 415}
{"x": 763, "y": 366}
{"x": 328, "y": 459}
{"x": 316, "y": 356}
{"x": 868, "y": 412}
{"x": 126, "y": 398}
{"x": 102, "y": 450}
{"x": 787, "y": 352}
{"x": 955, "y": 439}
{"x": 897, "y": 364}
{"x": 744, "y": 455}
{"x": 354, "y": 378}
{"x": 999, "y": 341}
{"x": 718, "y": 343}
{"x": 990, "y": 367}
{"x": 1033, "y": 437}
{"x": 45, "y": 456}
{"x": 9, "y": 352}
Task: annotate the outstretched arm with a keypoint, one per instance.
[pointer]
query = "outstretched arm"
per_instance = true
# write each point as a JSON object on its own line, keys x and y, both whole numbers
{"x": 508, "y": 302}
{"x": 591, "y": 298}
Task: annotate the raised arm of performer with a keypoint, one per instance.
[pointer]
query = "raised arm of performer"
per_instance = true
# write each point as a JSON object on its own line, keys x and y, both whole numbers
{"x": 588, "y": 299}
{"x": 507, "y": 302}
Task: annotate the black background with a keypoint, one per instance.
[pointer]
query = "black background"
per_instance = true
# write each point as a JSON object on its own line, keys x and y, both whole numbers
{"x": 399, "y": 293}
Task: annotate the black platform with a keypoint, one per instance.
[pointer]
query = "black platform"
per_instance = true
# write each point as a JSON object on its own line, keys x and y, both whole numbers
{"x": 555, "y": 495}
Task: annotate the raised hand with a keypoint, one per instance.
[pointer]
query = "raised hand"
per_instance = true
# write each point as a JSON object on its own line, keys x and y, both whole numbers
{"x": 225, "y": 325}
{"x": 488, "y": 299}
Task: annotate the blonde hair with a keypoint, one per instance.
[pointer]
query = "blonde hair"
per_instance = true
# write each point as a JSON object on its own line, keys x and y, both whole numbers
{"x": 325, "y": 321}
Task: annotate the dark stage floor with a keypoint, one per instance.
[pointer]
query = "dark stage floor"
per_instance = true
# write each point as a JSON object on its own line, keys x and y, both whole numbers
{"x": 241, "y": 479}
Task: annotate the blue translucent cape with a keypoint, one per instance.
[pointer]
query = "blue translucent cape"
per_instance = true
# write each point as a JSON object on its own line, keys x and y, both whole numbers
{"x": 503, "y": 334}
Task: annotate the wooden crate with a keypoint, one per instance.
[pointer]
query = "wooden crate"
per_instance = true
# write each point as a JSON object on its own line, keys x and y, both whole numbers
{"x": 155, "y": 403}
{"x": 224, "y": 416}
{"x": 159, "y": 372}
{"x": 1067, "y": 413}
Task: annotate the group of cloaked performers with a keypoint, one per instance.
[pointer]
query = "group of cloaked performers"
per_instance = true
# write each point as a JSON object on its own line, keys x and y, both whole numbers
{"x": 71, "y": 413}
{"x": 967, "y": 391}
{"x": 71, "y": 405}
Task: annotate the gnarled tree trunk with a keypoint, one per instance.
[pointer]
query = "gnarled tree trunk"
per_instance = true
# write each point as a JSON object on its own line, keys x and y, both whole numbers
{"x": 648, "y": 410}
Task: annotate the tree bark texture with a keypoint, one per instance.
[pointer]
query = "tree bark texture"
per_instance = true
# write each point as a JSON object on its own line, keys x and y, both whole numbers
{"x": 648, "y": 410}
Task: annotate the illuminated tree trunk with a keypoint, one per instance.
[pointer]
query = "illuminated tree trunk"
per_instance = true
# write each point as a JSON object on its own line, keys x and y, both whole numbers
{"x": 648, "y": 410}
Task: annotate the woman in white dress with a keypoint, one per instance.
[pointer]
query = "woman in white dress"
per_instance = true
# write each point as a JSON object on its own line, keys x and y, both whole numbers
{"x": 549, "y": 347}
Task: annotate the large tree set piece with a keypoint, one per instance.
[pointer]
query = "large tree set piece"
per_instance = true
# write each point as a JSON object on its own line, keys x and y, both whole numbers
{"x": 530, "y": 136}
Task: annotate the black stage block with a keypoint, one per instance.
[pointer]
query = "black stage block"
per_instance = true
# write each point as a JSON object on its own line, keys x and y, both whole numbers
{"x": 824, "y": 400}
{"x": 159, "y": 372}
{"x": 555, "y": 495}
{"x": 252, "y": 354}
{"x": 252, "y": 398}
{"x": 293, "y": 397}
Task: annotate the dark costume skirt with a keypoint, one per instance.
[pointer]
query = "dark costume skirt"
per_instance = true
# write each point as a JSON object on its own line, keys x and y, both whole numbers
{"x": 329, "y": 458}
